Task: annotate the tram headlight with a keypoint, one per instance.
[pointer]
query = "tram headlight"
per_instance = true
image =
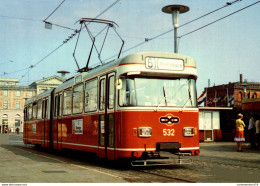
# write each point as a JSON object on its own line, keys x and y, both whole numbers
{"x": 145, "y": 132}
{"x": 189, "y": 131}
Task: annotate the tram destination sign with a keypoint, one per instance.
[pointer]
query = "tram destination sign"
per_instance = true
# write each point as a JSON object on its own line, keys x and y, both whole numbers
{"x": 164, "y": 64}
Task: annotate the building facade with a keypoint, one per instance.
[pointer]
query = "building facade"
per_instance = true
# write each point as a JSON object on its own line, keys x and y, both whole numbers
{"x": 12, "y": 99}
{"x": 46, "y": 84}
{"x": 232, "y": 94}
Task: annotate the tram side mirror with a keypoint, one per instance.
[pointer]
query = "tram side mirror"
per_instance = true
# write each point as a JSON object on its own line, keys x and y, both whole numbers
{"x": 119, "y": 84}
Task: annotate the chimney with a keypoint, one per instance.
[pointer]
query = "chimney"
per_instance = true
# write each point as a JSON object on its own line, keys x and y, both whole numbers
{"x": 241, "y": 78}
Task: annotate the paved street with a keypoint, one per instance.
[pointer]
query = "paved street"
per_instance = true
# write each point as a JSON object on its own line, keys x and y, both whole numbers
{"x": 218, "y": 162}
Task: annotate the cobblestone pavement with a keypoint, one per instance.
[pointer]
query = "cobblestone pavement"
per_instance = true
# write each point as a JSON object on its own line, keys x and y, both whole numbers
{"x": 218, "y": 162}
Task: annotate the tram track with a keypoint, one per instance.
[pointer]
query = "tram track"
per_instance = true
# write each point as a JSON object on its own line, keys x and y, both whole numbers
{"x": 129, "y": 174}
{"x": 182, "y": 180}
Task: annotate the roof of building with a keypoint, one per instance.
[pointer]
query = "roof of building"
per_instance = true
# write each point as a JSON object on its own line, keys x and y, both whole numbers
{"x": 215, "y": 108}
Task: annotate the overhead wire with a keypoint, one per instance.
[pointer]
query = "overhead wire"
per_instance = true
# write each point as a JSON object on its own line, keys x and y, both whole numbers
{"x": 9, "y": 60}
{"x": 164, "y": 33}
{"x": 218, "y": 19}
{"x": 32, "y": 66}
{"x": 19, "y": 18}
{"x": 54, "y": 10}
{"x": 161, "y": 33}
{"x": 226, "y": 5}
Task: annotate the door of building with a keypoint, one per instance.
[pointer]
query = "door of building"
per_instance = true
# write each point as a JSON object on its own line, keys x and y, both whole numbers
{"x": 208, "y": 126}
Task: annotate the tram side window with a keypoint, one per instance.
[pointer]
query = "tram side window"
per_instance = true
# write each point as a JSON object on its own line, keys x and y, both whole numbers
{"x": 59, "y": 105}
{"x": 77, "y": 99}
{"x": 35, "y": 108}
{"x": 45, "y": 109}
{"x": 111, "y": 92}
{"x": 30, "y": 112}
{"x": 39, "y": 114}
{"x": 57, "y": 109}
{"x": 91, "y": 96}
{"x": 67, "y": 104}
{"x": 56, "y": 106}
{"x": 102, "y": 95}
{"x": 25, "y": 114}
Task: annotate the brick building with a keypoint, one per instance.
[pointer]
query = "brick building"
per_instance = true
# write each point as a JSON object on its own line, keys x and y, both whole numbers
{"x": 13, "y": 96}
{"x": 232, "y": 98}
{"x": 232, "y": 94}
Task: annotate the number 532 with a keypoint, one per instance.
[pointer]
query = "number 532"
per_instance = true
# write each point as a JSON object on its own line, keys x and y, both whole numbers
{"x": 168, "y": 132}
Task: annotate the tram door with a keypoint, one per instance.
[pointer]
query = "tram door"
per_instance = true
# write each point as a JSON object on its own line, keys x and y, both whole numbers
{"x": 107, "y": 116}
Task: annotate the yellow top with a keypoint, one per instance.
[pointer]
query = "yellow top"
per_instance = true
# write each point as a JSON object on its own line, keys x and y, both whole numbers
{"x": 240, "y": 125}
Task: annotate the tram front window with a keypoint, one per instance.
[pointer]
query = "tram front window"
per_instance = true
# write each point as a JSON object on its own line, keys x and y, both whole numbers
{"x": 158, "y": 92}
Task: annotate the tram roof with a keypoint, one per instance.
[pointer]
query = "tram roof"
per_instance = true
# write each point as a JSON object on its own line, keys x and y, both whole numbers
{"x": 42, "y": 95}
{"x": 131, "y": 58}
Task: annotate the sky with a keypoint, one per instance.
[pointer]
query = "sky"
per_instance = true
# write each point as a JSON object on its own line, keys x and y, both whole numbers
{"x": 223, "y": 50}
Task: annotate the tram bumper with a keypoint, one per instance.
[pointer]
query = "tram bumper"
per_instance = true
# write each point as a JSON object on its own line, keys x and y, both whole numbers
{"x": 167, "y": 153}
{"x": 152, "y": 160}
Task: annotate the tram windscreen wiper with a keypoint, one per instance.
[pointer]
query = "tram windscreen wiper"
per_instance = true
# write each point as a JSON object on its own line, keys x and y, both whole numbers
{"x": 163, "y": 97}
{"x": 189, "y": 99}
{"x": 164, "y": 94}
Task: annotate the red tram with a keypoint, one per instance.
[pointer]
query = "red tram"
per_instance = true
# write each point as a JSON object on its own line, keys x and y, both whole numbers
{"x": 131, "y": 107}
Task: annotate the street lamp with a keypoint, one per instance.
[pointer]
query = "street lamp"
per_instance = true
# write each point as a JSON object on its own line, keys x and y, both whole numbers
{"x": 175, "y": 10}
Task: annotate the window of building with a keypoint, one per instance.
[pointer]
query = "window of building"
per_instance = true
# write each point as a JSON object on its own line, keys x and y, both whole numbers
{"x": 91, "y": 95}
{"x": 6, "y": 93}
{"x": 18, "y": 93}
{"x": 254, "y": 95}
{"x": 248, "y": 95}
{"x": 67, "y": 104}
{"x": 17, "y": 104}
{"x": 78, "y": 99}
{"x": 5, "y": 119}
{"x": 30, "y": 93}
{"x": 5, "y": 104}
{"x": 17, "y": 120}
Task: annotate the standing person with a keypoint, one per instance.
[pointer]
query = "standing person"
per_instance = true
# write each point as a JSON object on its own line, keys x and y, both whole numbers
{"x": 240, "y": 137}
{"x": 251, "y": 128}
{"x": 257, "y": 127}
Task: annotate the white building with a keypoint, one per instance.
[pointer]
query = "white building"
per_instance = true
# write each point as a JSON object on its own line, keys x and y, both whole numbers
{"x": 209, "y": 123}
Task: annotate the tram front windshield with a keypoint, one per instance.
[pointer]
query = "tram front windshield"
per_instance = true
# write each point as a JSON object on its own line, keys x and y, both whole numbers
{"x": 139, "y": 91}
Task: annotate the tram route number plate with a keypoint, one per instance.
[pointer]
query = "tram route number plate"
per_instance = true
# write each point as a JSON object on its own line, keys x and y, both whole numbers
{"x": 164, "y": 64}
